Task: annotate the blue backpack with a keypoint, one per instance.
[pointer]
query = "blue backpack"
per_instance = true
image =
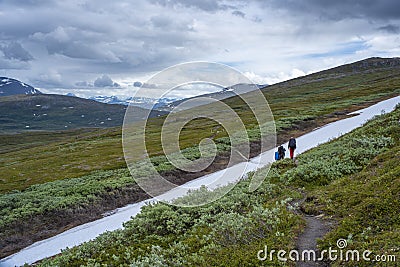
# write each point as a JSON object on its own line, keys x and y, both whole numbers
{"x": 276, "y": 155}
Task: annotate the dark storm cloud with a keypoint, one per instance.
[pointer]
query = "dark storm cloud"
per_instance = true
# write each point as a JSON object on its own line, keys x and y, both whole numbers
{"x": 14, "y": 50}
{"x": 125, "y": 43}
{"x": 390, "y": 28}
{"x": 137, "y": 84}
{"x": 99, "y": 36}
{"x": 341, "y": 9}
{"x": 74, "y": 43}
{"x": 105, "y": 81}
{"x": 19, "y": 19}
{"x": 238, "y": 13}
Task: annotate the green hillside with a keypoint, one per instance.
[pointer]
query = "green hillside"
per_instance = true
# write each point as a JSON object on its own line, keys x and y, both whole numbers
{"x": 46, "y": 112}
{"x": 353, "y": 180}
{"x": 60, "y": 179}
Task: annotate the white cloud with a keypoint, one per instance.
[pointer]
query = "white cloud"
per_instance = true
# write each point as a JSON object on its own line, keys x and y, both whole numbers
{"x": 257, "y": 79}
{"x": 274, "y": 78}
{"x": 78, "y": 41}
{"x": 390, "y": 44}
{"x": 50, "y": 78}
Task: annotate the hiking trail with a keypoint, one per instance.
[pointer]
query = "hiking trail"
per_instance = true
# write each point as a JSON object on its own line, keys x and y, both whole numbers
{"x": 316, "y": 227}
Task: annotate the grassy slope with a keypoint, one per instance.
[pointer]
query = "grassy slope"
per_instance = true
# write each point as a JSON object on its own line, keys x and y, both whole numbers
{"x": 80, "y": 153}
{"x": 33, "y": 160}
{"x": 46, "y": 112}
{"x": 366, "y": 204}
{"x": 354, "y": 178}
{"x": 74, "y": 156}
{"x": 78, "y": 200}
{"x": 55, "y": 112}
{"x": 314, "y": 98}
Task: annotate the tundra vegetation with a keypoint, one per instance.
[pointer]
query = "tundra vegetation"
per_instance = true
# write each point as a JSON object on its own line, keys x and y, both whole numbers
{"x": 353, "y": 180}
{"x": 53, "y": 180}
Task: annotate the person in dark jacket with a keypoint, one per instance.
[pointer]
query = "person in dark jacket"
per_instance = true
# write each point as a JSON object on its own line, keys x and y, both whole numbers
{"x": 281, "y": 152}
{"x": 292, "y": 147}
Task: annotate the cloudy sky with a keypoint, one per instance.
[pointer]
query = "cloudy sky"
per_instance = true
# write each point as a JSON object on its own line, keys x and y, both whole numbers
{"x": 104, "y": 47}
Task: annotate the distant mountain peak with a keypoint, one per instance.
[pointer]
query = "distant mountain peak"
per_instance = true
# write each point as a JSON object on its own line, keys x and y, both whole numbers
{"x": 9, "y": 86}
{"x": 143, "y": 102}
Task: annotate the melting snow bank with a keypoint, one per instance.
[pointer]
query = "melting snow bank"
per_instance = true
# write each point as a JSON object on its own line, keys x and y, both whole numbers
{"x": 78, "y": 235}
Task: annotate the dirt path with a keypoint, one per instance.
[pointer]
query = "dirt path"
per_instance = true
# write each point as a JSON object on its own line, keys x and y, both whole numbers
{"x": 315, "y": 228}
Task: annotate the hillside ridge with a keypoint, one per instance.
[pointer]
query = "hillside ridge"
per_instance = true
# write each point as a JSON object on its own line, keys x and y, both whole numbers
{"x": 59, "y": 112}
{"x": 10, "y": 86}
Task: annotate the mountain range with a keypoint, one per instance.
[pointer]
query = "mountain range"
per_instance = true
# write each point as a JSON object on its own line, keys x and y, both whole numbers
{"x": 143, "y": 102}
{"x": 168, "y": 103}
{"x": 24, "y": 108}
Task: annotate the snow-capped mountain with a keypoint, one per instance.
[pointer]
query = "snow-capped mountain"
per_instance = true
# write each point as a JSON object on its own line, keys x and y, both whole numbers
{"x": 168, "y": 102}
{"x": 10, "y": 86}
{"x": 143, "y": 102}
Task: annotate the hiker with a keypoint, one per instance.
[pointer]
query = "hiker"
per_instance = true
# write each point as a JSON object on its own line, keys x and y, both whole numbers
{"x": 292, "y": 146}
{"x": 281, "y": 152}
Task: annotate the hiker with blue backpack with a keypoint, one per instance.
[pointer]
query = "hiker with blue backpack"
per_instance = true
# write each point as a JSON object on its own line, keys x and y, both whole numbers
{"x": 292, "y": 147}
{"x": 280, "y": 154}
